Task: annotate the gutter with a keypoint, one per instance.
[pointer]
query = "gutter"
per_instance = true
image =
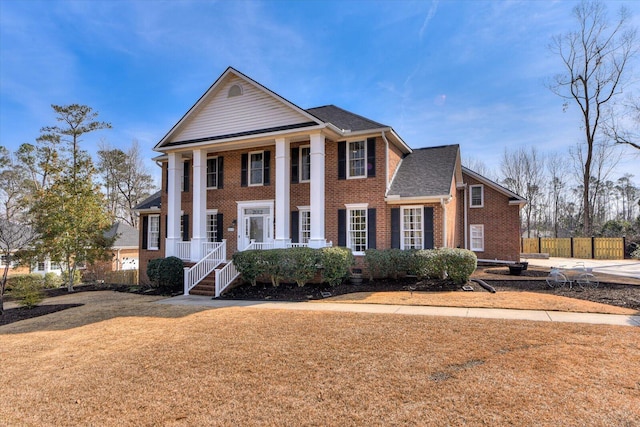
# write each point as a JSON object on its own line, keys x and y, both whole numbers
{"x": 444, "y": 221}
{"x": 386, "y": 163}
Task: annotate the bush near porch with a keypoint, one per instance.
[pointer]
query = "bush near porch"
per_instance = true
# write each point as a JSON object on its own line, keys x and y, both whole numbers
{"x": 297, "y": 265}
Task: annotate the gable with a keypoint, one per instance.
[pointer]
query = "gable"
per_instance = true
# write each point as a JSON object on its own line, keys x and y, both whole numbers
{"x": 250, "y": 110}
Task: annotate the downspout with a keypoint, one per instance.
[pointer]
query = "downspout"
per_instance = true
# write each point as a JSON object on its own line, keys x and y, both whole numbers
{"x": 444, "y": 223}
{"x": 386, "y": 163}
{"x": 466, "y": 219}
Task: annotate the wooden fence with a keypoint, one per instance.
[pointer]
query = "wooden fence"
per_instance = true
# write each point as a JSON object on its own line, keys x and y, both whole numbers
{"x": 576, "y": 247}
{"x": 122, "y": 277}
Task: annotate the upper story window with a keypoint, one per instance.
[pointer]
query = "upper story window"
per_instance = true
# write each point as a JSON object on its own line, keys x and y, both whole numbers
{"x": 212, "y": 172}
{"x": 476, "y": 196}
{"x": 256, "y": 168}
{"x": 305, "y": 164}
{"x": 357, "y": 159}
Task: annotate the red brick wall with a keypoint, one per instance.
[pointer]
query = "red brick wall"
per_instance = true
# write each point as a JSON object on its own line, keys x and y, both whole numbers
{"x": 501, "y": 223}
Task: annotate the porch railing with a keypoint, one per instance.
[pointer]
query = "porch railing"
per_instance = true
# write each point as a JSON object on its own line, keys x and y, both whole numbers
{"x": 195, "y": 274}
{"x": 225, "y": 276}
{"x": 183, "y": 250}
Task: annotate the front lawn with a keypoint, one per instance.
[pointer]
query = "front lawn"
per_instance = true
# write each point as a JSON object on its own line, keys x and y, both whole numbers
{"x": 130, "y": 361}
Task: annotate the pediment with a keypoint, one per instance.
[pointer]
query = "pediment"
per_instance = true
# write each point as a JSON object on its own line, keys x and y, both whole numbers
{"x": 236, "y": 105}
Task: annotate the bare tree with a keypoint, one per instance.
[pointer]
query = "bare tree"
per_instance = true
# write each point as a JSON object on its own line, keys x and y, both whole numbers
{"x": 595, "y": 59}
{"x": 523, "y": 173}
{"x": 557, "y": 175}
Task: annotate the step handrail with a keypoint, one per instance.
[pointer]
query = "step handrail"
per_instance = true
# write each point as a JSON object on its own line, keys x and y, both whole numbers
{"x": 225, "y": 276}
{"x": 195, "y": 274}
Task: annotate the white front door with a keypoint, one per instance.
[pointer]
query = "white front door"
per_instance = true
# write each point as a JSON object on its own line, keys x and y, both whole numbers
{"x": 257, "y": 225}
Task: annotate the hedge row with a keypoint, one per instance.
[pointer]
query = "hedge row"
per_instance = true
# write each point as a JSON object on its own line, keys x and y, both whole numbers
{"x": 297, "y": 265}
{"x": 455, "y": 264}
{"x": 166, "y": 273}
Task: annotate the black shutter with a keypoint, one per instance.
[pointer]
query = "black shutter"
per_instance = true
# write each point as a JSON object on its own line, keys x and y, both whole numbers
{"x": 145, "y": 232}
{"x": 428, "y": 228}
{"x": 220, "y": 172}
{"x": 219, "y": 227}
{"x": 295, "y": 156}
{"x": 371, "y": 228}
{"x": 295, "y": 226}
{"x": 342, "y": 160}
{"x": 395, "y": 228}
{"x": 185, "y": 228}
{"x": 371, "y": 157}
{"x": 266, "y": 157}
{"x": 342, "y": 227}
{"x": 243, "y": 169}
{"x": 166, "y": 178}
{"x": 166, "y": 225}
{"x": 187, "y": 166}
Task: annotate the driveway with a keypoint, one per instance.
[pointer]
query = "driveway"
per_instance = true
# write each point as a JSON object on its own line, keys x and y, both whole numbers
{"x": 619, "y": 267}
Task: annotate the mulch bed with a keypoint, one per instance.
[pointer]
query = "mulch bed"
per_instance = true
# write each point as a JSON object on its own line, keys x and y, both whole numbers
{"x": 16, "y": 314}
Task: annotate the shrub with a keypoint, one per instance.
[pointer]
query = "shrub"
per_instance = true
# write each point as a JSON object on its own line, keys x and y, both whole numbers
{"x": 249, "y": 264}
{"x": 52, "y": 280}
{"x": 636, "y": 254}
{"x": 335, "y": 262}
{"x": 425, "y": 263}
{"x": 27, "y": 290}
{"x": 459, "y": 264}
{"x": 166, "y": 273}
{"x": 77, "y": 277}
{"x": 300, "y": 265}
{"x": 274, "y": 264}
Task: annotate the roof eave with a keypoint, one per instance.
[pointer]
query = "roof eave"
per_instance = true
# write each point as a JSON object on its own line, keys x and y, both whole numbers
{"x": 399, "y": 200}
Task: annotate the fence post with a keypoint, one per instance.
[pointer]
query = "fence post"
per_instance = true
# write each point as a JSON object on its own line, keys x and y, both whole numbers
{"x": 624, "y": 247}
{"x": 593, "y": 248}
{"x": 186, "y": 281}
{"x": 572, "y": 247}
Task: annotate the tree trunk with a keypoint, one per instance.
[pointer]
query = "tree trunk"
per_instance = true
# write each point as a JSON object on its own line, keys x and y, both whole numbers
{"x": 3, "y": 286}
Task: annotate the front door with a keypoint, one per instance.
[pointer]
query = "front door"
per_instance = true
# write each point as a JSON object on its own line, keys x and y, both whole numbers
{"x": 256, "y": 222}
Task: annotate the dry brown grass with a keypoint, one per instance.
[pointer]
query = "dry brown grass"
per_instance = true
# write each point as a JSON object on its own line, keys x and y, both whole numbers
{"x": 151, "y": 364}
{"x": 516, "y": 300}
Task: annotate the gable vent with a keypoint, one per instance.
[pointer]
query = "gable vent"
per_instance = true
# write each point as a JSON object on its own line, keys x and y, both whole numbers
{"x": 235, "y": 90}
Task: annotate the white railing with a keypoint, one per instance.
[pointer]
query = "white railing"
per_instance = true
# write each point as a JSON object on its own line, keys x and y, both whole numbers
{"x": 297, "y": 245}
{"x": 183, "y": 250}
{"x": 271, "y": 245}
{"x": 224, "y": 277}
{"x": 193, "y": 275}
{"x": 208, "y": 247}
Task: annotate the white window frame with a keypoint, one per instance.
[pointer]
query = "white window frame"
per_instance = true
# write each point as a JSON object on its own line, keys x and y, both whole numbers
{"x": 476, "y": 228}
{"x": 403, "y": 243}
{"x": 211, "y": 233}
{"x": 481, "y": 187}
{"x": 214, "y": 161}
{"x": 350, "y": 244}
{"x": 250, "y": 169}
{"x": 304, "y": 228}
{"x": 182, "y": 176}
{"x": 349, "y": 159}
{"x": 301, "y": 162}
{"x": 151, "y": 233}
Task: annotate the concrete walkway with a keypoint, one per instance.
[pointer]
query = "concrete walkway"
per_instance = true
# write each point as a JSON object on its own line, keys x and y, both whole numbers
{"x": 619, "y": 267}
{"x": 486, "y": 313}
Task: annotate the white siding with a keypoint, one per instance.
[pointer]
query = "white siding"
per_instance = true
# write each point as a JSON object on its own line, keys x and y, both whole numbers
{"x": 221, "y": 115}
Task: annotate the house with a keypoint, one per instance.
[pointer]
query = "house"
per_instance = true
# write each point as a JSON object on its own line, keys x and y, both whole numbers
{"x": 246, "y": 168}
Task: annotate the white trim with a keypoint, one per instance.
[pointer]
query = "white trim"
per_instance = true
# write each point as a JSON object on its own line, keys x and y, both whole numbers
{"x": 247, "y": 204}
{"x": 519, "y": 199}
{"x": 398, "y": 200}
{"x": 208, "y": 212}
{"x": 215, "y": 161}
{"x": 149, "y": 247}
{"x": 481, "y": 187}
{"x": 357, "y": 207}
{"x": 300, "y": 163}
{"x": 479, "y": 227}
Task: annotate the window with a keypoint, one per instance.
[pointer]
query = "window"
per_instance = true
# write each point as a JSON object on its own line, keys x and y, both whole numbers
{"x": 235, "y": 90}
{"x": 477, "y": 237}
{"x": 357, "y": 156}
{"x": 212, "y": 226}
{"x": 357, "y": 229}
{"x": 305, "y": 226}
{"x": 40, "y": 266}
{"x": 153, "y": 235}
{"x": 412, "y": 228}
{"x": 256, "y": 168}
{"x": 476, "y": 195}
{"x": 305, "y": 164}
{"x": 212, "y": 172}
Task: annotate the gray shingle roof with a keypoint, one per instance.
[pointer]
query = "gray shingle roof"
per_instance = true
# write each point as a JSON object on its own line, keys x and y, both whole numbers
{"x": 344, "y": 119}
{"x": 127, "y": 235}
{"x": 426, "y": 172}
{"x": 151, "y": 201}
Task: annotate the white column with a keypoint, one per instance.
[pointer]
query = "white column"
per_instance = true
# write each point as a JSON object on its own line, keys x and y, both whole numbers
{"x": 173, "y": 203}
{"x": 199, "y": 234}
{"x": 317, "y": 239}
{"x": 283, "y": 172}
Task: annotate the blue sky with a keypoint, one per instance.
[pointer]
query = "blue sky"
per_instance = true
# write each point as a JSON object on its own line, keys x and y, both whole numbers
{"x": 466, "y": 72}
